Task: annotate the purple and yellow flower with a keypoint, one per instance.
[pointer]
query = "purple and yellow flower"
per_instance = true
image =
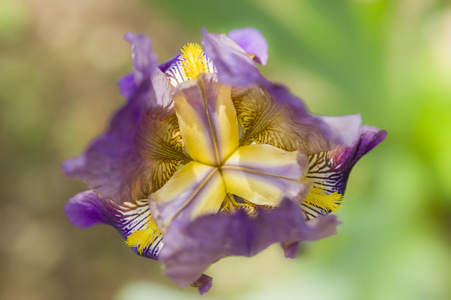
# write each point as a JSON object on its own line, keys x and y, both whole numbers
{"x": 209, "y": 159}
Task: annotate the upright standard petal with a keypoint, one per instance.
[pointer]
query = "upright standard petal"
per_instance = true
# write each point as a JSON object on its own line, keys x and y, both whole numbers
{"x": 252, "y": 41}
{"x": 191, "y": 247}
{"x": 87, "y": 209}
{"x": 146, "y": 74}
{"x": 144, "y": 59}
{"x": 207, "y": 119}
{"x": 195, "y": 189}
{"x": 264, "y": 175}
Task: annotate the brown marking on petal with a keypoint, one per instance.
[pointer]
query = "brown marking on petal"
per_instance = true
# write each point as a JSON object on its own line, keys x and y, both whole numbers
{"x": 234, "y": 203}
{"x": 267, "y": 121}
{"x": 160, "y": 144}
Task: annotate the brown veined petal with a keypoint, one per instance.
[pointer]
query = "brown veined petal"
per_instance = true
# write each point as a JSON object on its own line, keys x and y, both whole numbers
{"x": 231, "y": 205}
{"x": 265, "y": 120}
{"x": 160, "y": 144}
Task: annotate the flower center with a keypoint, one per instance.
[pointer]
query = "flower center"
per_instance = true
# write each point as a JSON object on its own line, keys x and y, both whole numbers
{"x": 260, "y": 174}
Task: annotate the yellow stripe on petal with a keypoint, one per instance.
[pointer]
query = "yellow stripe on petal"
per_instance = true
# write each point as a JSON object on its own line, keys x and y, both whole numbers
{"x": 264, "y": 174}
{"x": 194, "y": 190}
{"x": 207, "y": 119}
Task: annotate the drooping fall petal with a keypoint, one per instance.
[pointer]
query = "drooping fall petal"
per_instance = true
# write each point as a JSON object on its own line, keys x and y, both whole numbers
{"x": 330, "y": 170}
{"x": 192, "y": 247}
{"x": 87, "y": 209}
{"x": 112, "y": 158}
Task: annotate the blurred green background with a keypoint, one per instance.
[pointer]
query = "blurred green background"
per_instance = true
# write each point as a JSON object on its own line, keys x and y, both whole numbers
{"x": 388, "y": 60}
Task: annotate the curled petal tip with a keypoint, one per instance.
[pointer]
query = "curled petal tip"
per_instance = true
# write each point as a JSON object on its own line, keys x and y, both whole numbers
{"x": 84, "y": 210}
{"x": 253, "y": 42}
{"x": 203, "y": 284}
{"x": 71, "y": 166}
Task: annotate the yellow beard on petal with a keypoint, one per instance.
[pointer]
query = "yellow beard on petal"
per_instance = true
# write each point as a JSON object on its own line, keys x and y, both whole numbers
{"x": 143, "y": 237}
{"x": 319, "y": 198}
{"x": 193, "y": 61}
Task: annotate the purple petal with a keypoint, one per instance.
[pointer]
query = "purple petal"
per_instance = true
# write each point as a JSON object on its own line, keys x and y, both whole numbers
{"x": 168, "y": 64}
{"x": 346, "y": 157}
{"x": 252, "y": 41}
{"x": 146, "y": 72}
{"x": 191, "y": 247}
{"x": 87, "y": 209}
{"x": 127, "y": 85}
{"x": 203, "y": 284}
{"x": 290, "y": 249}
{"x": 234, "y": 66}
{"x": 323, "y": 227}
{"x": 111, "y": 160}
{"x": 343, "y": 130}
{"x": 143, "y": 58}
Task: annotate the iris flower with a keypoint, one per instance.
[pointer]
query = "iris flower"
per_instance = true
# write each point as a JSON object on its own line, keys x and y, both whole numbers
{"x": 209, "y": 159}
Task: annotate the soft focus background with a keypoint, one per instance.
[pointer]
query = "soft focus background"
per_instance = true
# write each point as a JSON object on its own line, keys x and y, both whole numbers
{"x": 389, "y": 60}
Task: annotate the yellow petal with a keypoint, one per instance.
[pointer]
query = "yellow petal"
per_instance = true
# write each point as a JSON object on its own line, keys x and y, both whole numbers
{"x": 264, "y": 174}
{"x": 194, "y": 190}
{"x": 207, "y": 119}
